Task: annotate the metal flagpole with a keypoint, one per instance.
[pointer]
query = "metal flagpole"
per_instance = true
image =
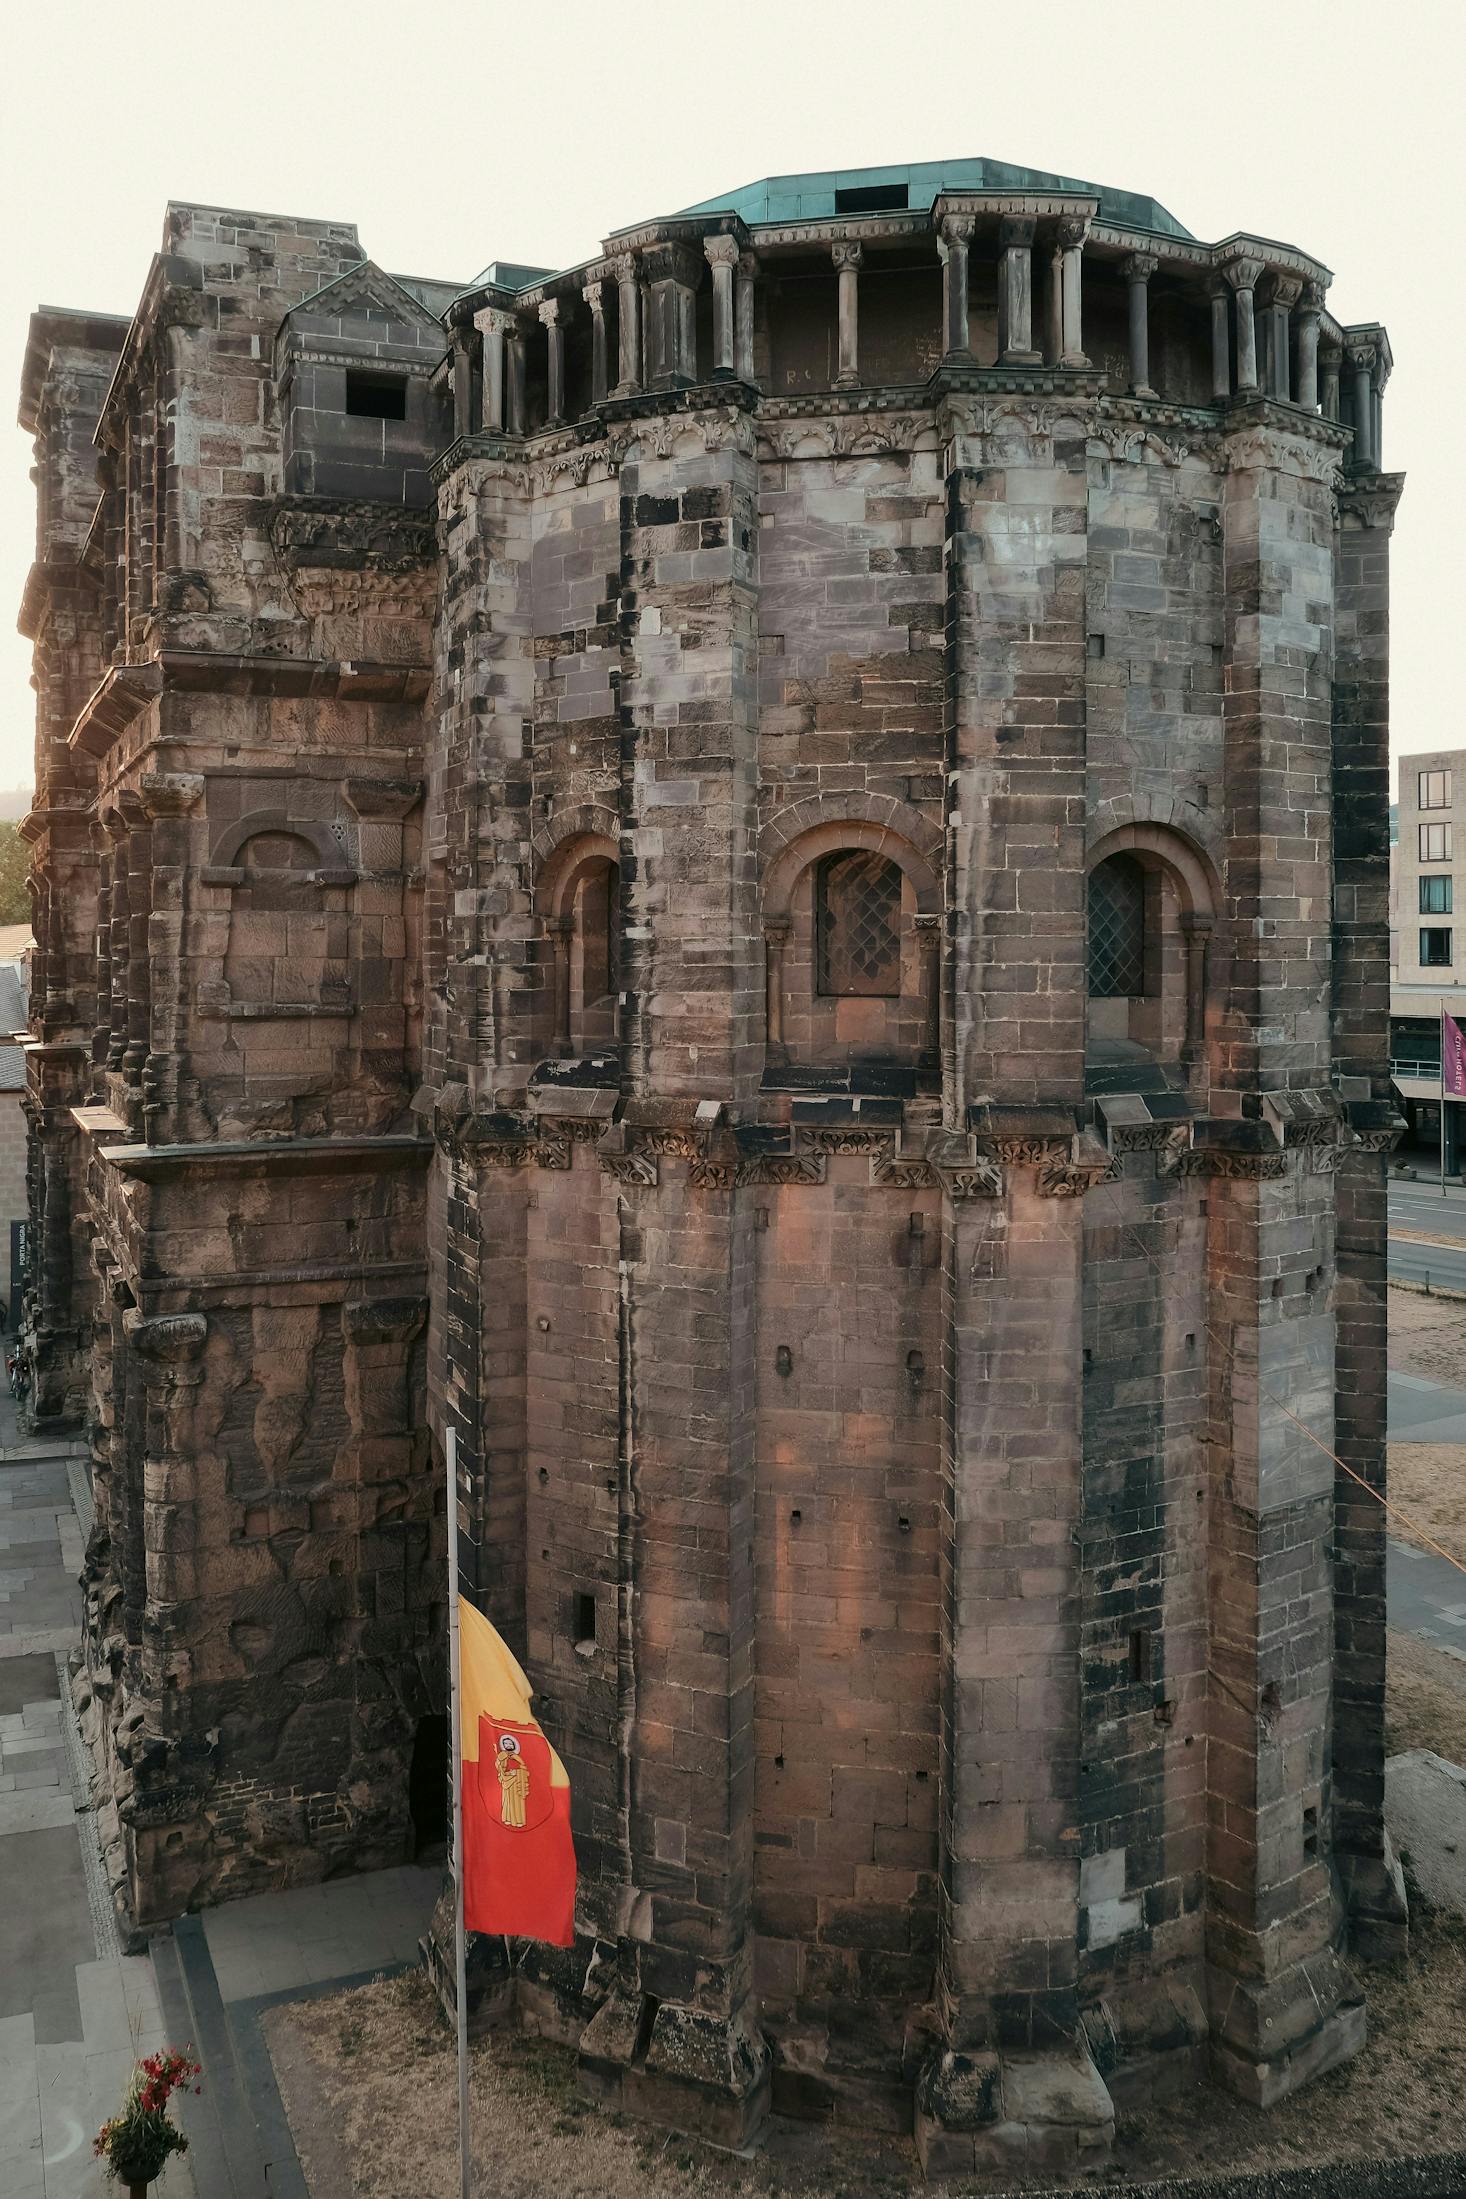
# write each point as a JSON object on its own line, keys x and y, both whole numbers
{"x": 1443, "y": 1099}
{"x": 460, "y": 1962}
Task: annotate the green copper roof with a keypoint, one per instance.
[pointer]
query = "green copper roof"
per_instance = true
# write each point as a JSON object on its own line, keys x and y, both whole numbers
{"x": 812, "y": 198}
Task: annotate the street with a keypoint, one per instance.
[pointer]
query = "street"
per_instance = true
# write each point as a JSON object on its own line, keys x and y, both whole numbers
{"x": 1421, "y": 1209}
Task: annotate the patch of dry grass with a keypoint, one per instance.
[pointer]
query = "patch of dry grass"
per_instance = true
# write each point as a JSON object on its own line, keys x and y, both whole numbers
{"x": 1427, "y": 1483}
{"x": 1428, "y": 1336}
{"x": 1425, "y": 1699}
{"x": 368, "y": 2082}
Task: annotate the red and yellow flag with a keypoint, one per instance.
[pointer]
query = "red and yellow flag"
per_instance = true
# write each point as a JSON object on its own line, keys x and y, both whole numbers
{"x": 518, "y": 1857}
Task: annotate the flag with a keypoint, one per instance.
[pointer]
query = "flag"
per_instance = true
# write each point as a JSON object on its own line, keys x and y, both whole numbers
{"x": 1453, "y": 1057}
{"x": 518, "y": 1856}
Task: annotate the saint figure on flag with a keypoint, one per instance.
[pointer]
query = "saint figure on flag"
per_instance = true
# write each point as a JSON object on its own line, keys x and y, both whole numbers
{"x": 518, "y": 1856}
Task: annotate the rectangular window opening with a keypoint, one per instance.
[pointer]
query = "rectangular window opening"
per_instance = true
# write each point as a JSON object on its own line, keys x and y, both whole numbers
{"x": 1140, "y": 1656}
{"x": 1434, "y": 789}
{"x": 585, "y": 1621}
{"x": 872, "y": 198}
{"x": 1435, "y": 896}
{"x": 1435, "y": 947}
{"x": 1435, "y": 843}
{"x": 376, "y": 396}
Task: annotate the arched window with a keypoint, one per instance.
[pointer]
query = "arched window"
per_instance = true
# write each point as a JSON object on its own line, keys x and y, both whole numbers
{"x": 858, "y": 926}
{"x": 579, "y": 897}
{"x": 595, "y": 953}
{"x": 1117, "y": 930}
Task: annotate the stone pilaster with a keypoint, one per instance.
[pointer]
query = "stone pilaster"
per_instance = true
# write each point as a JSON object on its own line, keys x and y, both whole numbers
{"x": 671, "y": 272}
{"x": 675, "y": 2035}
{"x": 1015, "y": 294}
{"x": 1282, "y": 2004}
{"x": 1361, "y": 993}
{"x": 1013, "y": 2080}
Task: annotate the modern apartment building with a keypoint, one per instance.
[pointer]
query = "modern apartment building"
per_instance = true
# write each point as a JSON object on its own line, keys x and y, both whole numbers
{"x": 1427, "y": 935}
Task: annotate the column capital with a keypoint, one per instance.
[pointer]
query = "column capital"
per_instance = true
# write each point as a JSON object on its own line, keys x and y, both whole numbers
{"x": 1283, "y": 292}
{"x": 846, "y": 253}
{"x": 1313, "y": 297}
{"x": 1016, "y": 231}
{"x": 1138, "y": 267}
{"x": 1331, "y": 354}
{"x": 550, "y": 312}
{"x": 494, "y": 320}
{"x": 720, "y": 251}
{"x": 748, "y": 265}
{"x": 1362, "y": 353}
{"x": 624, "y": 266}
{"x": 676, "y": 263}
{"x": 594, "y": 296}
{"x": 1071, "y": 229}
{"x": 1244, "y": 274}
{"x": 956, "y": 229}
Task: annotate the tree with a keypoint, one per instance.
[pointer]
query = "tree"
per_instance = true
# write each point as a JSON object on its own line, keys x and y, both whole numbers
{"x": 15, "y": 863}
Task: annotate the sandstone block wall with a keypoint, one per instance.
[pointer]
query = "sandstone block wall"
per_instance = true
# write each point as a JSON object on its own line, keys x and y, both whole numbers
{"x": 801, "y": 963}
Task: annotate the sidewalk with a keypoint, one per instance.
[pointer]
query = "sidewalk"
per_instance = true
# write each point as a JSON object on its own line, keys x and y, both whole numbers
{"x": 74, "y": 2011}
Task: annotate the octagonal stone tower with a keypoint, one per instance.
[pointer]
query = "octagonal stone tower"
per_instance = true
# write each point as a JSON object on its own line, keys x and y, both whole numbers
{"x": 899, "y": 1114}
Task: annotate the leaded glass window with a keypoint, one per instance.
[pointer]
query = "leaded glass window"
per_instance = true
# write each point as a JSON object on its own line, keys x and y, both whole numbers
{"x": 1117, "y": 930}
{"x": 858, "y": 923}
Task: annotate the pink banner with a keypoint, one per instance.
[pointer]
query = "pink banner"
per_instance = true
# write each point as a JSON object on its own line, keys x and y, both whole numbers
{"x": 1453, "y": 1057}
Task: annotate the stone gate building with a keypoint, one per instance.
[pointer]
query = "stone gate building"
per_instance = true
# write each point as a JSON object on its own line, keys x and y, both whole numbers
{"x": 754, "y": 873}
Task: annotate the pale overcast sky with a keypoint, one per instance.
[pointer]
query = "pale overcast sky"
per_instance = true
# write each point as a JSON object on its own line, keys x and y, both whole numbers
{"x": 478, "y": 132}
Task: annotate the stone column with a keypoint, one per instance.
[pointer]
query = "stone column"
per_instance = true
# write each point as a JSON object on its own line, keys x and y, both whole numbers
{"x": 1073, "y": 229}
{"x": 721, "y": 254}
{"x": 776, "y": 939}
{"x": 1015, "y": 294}
{"x": 672, "y": 272}
{"x": 1361, "y": 364}
{"x": 1282, "y": 297}
{"x": 555, "y": 361}
{"x": 1308, "y": 319}
{"x": 743, "y": 334}
{"x": 561, "y": 930}
{"x": 515, "y": 418}
{"x": 594, "y": 296}
{"x": 1196, "y": 932}
{"x": 1137, "y": 270}
{"x": 847, "y": 263}
{"x": 1244, "y": 276}
{"x": 1377, "y": 409}
{"x": 1331, "y": 359}
{"x": 628, "y": 294}
{"x": 953, "y": 239}
{"x": 492, "y": 325}
{"x": 1221, "y": 342}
